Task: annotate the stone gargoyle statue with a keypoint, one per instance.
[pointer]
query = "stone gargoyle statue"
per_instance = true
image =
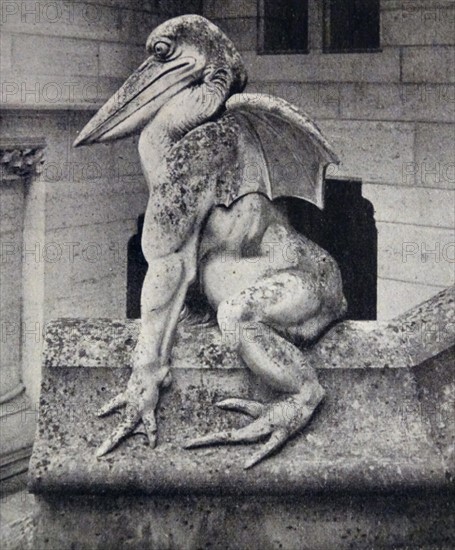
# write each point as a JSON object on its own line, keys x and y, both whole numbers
{"x": 211, "y": 157}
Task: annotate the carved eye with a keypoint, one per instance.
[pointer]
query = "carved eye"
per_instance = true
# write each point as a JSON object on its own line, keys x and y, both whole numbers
{"x": 161, "y": 49}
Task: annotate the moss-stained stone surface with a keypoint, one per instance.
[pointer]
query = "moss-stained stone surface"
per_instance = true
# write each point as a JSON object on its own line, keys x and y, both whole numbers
{"x": 421, "y": 333}
{"x": 386, "y": 427}
{"x": 384, "y": 424}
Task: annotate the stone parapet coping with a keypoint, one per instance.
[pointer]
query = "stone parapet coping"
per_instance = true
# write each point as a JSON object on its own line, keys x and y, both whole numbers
{"x": 406, "y": 341}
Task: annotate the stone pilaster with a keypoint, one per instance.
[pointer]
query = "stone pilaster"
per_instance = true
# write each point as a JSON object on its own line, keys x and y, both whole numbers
{"x": 20, "y": 160}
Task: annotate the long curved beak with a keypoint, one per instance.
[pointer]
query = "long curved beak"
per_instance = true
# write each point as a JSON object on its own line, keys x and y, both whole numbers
{"x": 139, "y": 99}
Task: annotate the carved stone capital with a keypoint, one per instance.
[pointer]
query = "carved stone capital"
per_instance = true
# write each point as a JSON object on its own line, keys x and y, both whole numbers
{"x": 20, "y": 158}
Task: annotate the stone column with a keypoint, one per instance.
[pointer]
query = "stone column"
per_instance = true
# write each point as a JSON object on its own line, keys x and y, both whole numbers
{"x": 19, "y": 160}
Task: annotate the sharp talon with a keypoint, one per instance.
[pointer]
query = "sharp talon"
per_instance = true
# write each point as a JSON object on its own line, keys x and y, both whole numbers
{"x": 247, "y": 406}
{"x": 277, "y": 440}
{"x": 103, "y": 449}
{"x": 211, "y": 439}
{"x": 252, "y": 462}
{"x": 279, "y": 420}
{"x": 130, "y": 421}
{"x": 248, "y": 434}
{"x": 115, "y": 403}
{"x": 232, "y": 436}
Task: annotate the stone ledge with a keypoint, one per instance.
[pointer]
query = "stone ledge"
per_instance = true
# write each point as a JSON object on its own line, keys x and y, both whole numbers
{"x": 380, "y": 429}
{"x": 421, "y": 333}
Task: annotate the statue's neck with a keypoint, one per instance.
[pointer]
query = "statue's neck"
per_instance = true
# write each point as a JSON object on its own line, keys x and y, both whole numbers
{"x": 180, "y": 115}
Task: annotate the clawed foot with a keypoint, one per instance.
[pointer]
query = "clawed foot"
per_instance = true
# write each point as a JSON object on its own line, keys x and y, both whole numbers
{"x": 139, "y": 402}
{"x": 278, "y": 420}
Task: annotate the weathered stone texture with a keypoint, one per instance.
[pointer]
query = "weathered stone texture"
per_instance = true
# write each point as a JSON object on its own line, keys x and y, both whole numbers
{"x": 363, "y": 366}
{"x": 374, "y": 468}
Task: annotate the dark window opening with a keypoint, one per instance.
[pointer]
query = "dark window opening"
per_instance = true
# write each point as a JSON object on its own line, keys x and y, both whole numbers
{"x": 351, "y": 25}
{"x": 135, "y": 274}
{"x": 283, "y": 26}
{"x": 345, "y": 228}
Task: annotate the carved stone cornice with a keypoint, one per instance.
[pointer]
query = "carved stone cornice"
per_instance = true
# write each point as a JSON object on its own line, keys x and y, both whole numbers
{"x": 20, "y": 158}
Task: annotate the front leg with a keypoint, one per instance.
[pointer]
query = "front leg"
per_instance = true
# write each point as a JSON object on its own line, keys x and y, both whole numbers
{"x": 163, "y": 294}
{"x": 139, "y": 401}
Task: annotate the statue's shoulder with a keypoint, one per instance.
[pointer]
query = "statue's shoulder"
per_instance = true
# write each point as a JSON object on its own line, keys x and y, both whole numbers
{"x": 220, "y": 135}
{"x": 210, "y": 151}
{"x": 210, "y": 145}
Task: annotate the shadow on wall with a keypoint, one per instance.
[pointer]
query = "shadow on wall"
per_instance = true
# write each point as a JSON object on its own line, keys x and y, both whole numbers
{"x": 346, "y": 229}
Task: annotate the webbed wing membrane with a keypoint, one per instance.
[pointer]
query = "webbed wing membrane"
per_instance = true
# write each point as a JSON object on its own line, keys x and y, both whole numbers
{"x": 281, "y": 152}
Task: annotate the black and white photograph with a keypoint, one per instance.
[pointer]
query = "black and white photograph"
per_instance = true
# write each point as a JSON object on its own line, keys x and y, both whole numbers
{"x": 227, "y": 274}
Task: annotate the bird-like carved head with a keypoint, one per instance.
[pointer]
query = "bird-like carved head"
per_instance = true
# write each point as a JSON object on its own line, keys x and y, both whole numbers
{"x": 185, "y": 53}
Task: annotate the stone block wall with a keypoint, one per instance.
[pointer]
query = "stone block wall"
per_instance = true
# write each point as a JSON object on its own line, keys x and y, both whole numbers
{"x": 390, "y": 116}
